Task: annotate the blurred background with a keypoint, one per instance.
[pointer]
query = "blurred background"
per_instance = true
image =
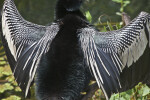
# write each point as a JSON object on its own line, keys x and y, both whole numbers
{"x": 42, "y": 11}
{"x": 105, "y": 12}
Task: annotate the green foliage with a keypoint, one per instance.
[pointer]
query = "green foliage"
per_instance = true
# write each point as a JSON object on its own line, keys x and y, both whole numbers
{"x": 9, "y": 89}
{"x": 139, "y": 92}
{"x": 5, "y": 87}
{"x": 2, "y": 55}
{"x": 8, "y": 86}
{"x": 123, "y": 3}
{"x": 88, "y": 16}
{"x": 12, "y": 97}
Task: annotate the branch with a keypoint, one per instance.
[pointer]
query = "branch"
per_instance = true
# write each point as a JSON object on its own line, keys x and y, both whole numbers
{"x": 126, "y": 18}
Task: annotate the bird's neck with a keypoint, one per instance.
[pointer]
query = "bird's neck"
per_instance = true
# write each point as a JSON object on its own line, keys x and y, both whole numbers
{"x": 61, "y": 12}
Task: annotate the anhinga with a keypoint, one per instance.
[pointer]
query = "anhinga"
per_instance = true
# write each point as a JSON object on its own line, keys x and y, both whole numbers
{"x": 64, "y": 56}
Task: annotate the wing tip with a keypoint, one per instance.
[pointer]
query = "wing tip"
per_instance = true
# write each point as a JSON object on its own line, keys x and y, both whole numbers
{"x": 143, "y": 13}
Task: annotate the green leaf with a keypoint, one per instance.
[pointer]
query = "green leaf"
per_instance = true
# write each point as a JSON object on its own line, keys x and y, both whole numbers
{"x": 118, "y": 26}
{"x": 146, "y": 91}
{"x": 17, "y": 89}
{"x": 105, "y": 30}
{"x": 110, "y": 26}
{"x": 10, "y": 78}
{"x": 126, "y": 3}
{"x": 122, "y": 98}
{"x": 121, "y": 9}
{"x": 88, "y": 16}
{"x": 121, "y": 23}
{"x": 7, "y": 71}
{"x": 117, "y": 1}
{"x": 115, "y": 97}
{"x": 118, "y": 13}
{"x": 12, "y": 97}
{"x": 5, "y": 87}
{"x": 128, "y": 94}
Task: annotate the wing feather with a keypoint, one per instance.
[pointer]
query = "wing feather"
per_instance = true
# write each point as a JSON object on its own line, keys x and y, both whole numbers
{"x": 108, "y": 53}
{"x": 25, "y": 43}
{"x": 28, "y": 62}
{"x": 100, "y": 63}
{"x": 17, "y": 32}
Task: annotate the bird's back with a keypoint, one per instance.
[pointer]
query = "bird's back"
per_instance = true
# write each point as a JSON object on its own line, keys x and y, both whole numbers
{"x": 63, "y": 70}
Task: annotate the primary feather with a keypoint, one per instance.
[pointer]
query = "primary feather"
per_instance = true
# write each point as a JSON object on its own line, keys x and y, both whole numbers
{"x": 108, "y": 53}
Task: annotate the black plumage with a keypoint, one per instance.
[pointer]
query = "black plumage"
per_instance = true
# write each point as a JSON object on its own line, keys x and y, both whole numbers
{"x": 69, "y": 75}
{"x": 65, "y": 55}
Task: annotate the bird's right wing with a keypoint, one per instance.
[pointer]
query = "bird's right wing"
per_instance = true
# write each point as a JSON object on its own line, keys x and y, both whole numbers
{"x": 108, "y": 53}
{"x": 25, "y": 43}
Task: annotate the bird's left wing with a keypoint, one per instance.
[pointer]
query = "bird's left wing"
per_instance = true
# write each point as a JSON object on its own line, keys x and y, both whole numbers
{"x": 28, "y": 61}
{"x": 25, "y": 43}
{"x": 17, "y": 33}
{"x": 108, "y": 53}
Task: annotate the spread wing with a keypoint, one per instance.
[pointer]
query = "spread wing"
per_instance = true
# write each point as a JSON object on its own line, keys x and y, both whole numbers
{"x": 25, "y": 43}
{"x": 108, "y": 53}
{"x": 17, "y": 32}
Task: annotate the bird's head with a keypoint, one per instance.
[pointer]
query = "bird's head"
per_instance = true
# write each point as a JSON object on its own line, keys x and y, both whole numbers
{"x": 64, "y": 7}
{"x": 72, "y": 5}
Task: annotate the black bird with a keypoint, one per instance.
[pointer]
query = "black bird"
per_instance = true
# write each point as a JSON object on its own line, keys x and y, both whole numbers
{"x": 64, "y": 56}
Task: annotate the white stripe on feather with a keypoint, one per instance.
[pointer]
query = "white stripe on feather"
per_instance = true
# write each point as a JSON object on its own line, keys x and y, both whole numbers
{"x": 19, "y": 50}
{"x": 35, "y": 63}
{"x": 42, "y": 44}
{"x": 148, "y": 28}
{"x": 29, "y": 58}
{"x": 118, "y": 61}
{"x": 135, "y": 50}
{"x": 115, "y": 64}
{"x": 7, "y": 35}
{"x": 100, "y": 58}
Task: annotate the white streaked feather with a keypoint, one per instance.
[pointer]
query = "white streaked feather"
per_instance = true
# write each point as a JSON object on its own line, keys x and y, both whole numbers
{"x": 28, "y": 86}
{"x": 93, "y": 64}
{"x": 19, "y": 50}
{"x": 119, "y": 82}
{"x": 34, "y": 60}
{"x": 92, "y": 41}
{"x": 148, "y": 28}
{"x": 115, "y": 64}
{"x": 119, "y": 63}
{"x": 7, "y": 35}
{"x": 101, "y": 86}
{"x": 129, "y": 57}
{"x": 29, "y": 58}
{"x": 133, "y": 52}
{"x": 102, "y": 62}
{"x": 42, "y": 46}
{"x": 94, "y": 72}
